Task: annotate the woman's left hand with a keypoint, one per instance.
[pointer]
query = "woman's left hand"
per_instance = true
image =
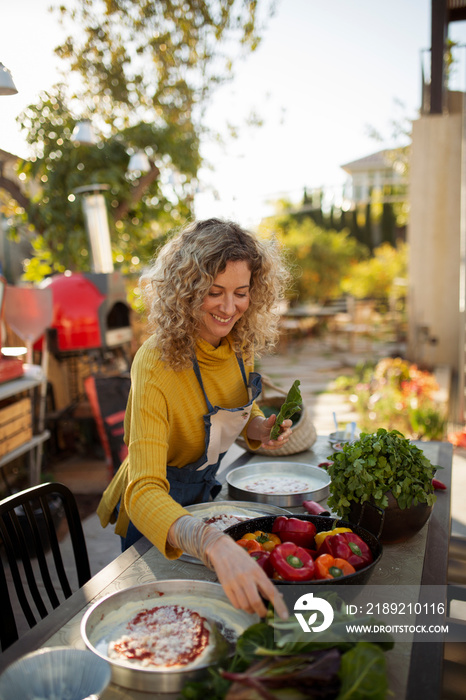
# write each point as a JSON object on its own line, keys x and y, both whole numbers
{"x": 259, "y": 429}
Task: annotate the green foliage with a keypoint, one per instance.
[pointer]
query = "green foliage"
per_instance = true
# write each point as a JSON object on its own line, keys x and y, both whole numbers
{"x": 395, "y": 395}
{"x": 275, "y": 659}
{"x": 363, "y": 673}
{"x": 61, "y": 166}
{"x": 166, "y": 55}
{"x": 143, "y": 72}
{"x": 375, "y": 278}
{"x": 320, "y": 258}
{"x": 375, "y": 464}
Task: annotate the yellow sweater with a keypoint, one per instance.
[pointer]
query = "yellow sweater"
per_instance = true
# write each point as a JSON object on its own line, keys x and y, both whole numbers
{"x": 164, "y": 425}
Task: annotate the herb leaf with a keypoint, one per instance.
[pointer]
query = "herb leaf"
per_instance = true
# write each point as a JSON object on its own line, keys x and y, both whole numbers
{"x": 291, "y": 405}
{"x": 376, "y": 464}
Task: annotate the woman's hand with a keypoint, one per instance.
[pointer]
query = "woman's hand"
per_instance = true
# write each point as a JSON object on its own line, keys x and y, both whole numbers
{"x": 242, "y": 579}
{"x": 259, "y": 429}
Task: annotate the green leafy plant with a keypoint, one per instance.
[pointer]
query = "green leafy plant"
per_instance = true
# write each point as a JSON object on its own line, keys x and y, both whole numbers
{"x": 292, "y": 404}
{"x": 395, "y": 395}
{"x": 320, "y": 259}
{"x": 275, "y": 659}
{"x": 376, "y": 464}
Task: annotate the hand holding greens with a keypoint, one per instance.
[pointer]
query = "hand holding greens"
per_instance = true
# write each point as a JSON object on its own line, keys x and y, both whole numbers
{"x": 293, "y": 403}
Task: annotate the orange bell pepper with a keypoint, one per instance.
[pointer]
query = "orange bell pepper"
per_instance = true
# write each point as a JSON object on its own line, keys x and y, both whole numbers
{"x": 327, "y": 567}
{"x": 267, "y": 539}
{"x": 250, "y": 545}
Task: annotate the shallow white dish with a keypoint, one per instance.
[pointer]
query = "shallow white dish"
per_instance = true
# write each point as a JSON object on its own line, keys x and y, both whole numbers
{"x": 55, "y": 673}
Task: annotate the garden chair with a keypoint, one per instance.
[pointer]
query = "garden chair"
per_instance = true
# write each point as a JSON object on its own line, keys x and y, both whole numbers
{"x": 35, "y": 575}
{"x": 108, "y": 396}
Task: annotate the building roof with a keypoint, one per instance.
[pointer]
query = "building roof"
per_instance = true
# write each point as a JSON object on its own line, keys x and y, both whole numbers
{"x": 375, "y": 161}
{"x": 5, "y": 156}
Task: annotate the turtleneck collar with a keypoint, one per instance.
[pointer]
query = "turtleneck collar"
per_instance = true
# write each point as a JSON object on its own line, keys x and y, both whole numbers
{"x": 207, "y": 354}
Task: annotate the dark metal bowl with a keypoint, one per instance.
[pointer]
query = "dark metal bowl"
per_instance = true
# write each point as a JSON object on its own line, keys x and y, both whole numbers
{"x": 322, "y": 523}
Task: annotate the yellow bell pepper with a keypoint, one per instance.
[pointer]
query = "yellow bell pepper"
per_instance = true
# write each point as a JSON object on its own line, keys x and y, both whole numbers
{"x": 320, "y": 536}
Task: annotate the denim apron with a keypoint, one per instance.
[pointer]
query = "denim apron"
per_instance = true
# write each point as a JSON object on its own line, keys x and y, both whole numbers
{"x": 196, "y": 482}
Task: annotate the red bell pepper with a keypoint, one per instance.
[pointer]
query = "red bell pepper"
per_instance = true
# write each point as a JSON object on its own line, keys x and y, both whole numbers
{"x": 263, "y": 559}
{"x": 292, "y": 563}
{"x": 348, "y": 546}
{"x": 328, "y": 567}
{"x": 300, "y": 532}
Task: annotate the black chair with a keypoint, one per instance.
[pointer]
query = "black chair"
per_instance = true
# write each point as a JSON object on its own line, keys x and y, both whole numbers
{"x": 35, "y": 576}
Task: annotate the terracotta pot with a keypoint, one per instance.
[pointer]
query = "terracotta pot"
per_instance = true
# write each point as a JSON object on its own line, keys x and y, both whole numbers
{"x": 391, "y": 524}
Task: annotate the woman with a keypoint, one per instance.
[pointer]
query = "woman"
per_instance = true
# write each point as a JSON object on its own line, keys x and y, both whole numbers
{"x": 212, "y": 296}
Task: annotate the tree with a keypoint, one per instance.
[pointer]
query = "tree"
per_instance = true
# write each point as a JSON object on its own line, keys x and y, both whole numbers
{"x": 319, "y": 258}
{"x": 143, "y": 71}
{"x": 378, "y": 277}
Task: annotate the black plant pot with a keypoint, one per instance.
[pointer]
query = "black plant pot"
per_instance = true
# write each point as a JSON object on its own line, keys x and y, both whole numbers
{"x": 391, "y": 524}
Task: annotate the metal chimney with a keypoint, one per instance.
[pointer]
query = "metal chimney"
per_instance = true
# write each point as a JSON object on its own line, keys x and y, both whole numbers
{"x": 95, "y": 214}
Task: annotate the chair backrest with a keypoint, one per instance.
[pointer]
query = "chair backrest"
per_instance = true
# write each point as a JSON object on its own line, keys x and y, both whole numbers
{"x": 108, "y": 396}
{"x": 35, "y": 571}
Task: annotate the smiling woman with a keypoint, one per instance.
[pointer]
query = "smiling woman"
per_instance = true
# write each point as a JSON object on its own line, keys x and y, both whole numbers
{"x": 212, "y": 296}
{"x": 226, "y": 302}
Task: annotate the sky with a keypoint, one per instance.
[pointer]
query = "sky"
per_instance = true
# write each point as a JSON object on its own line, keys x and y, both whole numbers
{"x": 325, "y": 71}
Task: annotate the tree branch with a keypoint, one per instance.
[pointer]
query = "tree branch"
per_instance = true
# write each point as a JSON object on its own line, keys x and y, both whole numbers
{"x": 137, "y": 191}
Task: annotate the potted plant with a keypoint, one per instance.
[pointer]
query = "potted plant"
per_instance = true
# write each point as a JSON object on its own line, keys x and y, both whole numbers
{"x": 383, "y": 473}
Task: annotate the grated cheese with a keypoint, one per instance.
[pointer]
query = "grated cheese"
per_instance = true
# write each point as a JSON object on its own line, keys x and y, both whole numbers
{"x": 165, "y": 636}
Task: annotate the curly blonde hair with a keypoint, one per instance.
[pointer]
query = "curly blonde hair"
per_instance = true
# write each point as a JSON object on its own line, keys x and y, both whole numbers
{"x": 182, "y": 274}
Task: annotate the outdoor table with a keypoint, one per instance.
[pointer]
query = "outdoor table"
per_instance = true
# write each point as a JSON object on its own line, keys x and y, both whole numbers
{"x": 415, "y": 670}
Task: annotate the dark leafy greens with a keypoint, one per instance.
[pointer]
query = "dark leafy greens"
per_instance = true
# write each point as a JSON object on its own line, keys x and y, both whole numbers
{"x": 362, "y": 673}
{"x": 292, "y": 404}
{"x": 376, "y": 464}
{"x": 274, "y": 660}
{"x": 314, "y": 674}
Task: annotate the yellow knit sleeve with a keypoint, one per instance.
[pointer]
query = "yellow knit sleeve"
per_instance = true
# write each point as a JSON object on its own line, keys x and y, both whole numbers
{"x": 146, "y": 499}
